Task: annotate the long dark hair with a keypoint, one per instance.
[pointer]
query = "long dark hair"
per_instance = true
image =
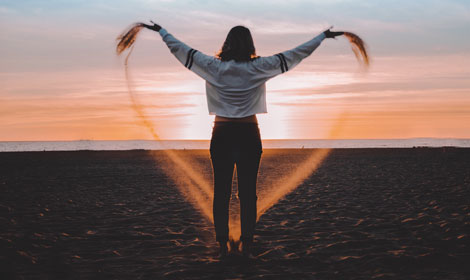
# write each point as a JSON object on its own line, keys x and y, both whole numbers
{"x": 238, "y": 45}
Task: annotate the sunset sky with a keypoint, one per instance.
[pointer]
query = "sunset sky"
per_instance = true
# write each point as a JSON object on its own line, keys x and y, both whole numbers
{"x": 60, "y": 77}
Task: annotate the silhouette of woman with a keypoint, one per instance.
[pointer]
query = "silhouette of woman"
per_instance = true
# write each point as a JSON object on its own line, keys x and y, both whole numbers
{"x": 236, "y": 91}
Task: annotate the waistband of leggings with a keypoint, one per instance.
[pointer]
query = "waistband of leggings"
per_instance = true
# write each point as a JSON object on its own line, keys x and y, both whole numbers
{"x": 228, "y": 123}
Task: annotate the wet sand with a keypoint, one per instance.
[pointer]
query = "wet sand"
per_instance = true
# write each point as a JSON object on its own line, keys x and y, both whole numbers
{"x": 364, "y": 214}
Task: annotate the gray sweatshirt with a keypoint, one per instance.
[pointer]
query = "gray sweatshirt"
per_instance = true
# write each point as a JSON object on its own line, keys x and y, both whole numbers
{"x": 237, "y": 89}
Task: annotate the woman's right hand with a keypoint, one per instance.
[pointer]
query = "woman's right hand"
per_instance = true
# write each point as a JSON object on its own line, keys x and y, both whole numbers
{"x": 154, "y": 27}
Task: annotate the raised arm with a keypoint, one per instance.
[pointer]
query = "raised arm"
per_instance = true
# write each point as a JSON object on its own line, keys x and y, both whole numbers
{"x": 203, "y": 65}
{"x": 287, "y": 60}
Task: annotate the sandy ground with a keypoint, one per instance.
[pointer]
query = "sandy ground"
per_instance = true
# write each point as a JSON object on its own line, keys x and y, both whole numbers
{"x": 365, "y": 213}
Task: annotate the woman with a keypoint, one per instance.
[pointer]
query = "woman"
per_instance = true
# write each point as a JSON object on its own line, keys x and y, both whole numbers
{"x": 236, "y": 92}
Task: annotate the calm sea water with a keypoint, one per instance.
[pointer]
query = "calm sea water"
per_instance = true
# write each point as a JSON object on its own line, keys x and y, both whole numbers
{"x": 15, "y": 146}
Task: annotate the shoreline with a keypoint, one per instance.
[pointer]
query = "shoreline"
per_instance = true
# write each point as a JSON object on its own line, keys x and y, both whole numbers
{"x": 128, "y": 145}
{"x": 264, "y": 149}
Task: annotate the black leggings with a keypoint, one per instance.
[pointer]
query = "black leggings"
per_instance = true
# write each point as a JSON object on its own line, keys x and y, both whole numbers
{"x": 235, "y": 143}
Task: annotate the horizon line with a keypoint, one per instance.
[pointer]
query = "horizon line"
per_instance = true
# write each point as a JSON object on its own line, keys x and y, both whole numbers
{"x": 269, "y": 139}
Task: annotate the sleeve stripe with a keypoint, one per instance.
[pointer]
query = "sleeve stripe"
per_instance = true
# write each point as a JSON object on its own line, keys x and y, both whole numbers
{"x": 191, "y": 59}
{"x": 188, "y": 57}
{"x": 282, "y": 63}
{"x": 285, "y": 63}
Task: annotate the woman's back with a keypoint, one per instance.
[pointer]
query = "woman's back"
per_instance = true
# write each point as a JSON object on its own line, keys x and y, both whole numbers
{"x": 237, "y": 90}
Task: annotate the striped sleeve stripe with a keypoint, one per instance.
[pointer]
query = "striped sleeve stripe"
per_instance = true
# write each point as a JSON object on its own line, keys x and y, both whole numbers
{"x": 191, "y": 59}
{"x": 285, "y": 63}
{"x": 282, "y": 62}
{"x": 188, "y": 58}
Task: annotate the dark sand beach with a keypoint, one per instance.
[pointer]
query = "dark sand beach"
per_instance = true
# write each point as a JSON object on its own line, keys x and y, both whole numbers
{"x": 364, "y": 214}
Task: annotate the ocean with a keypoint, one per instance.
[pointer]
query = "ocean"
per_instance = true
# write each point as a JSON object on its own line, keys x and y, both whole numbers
{"x": 105, "y": 145}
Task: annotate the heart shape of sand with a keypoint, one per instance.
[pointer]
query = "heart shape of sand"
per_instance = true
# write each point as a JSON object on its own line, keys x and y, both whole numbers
{"x": 197, "y": 189}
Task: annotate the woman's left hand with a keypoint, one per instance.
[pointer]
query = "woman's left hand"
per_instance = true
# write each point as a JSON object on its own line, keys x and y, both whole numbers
{"x": 332, "y": 34}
